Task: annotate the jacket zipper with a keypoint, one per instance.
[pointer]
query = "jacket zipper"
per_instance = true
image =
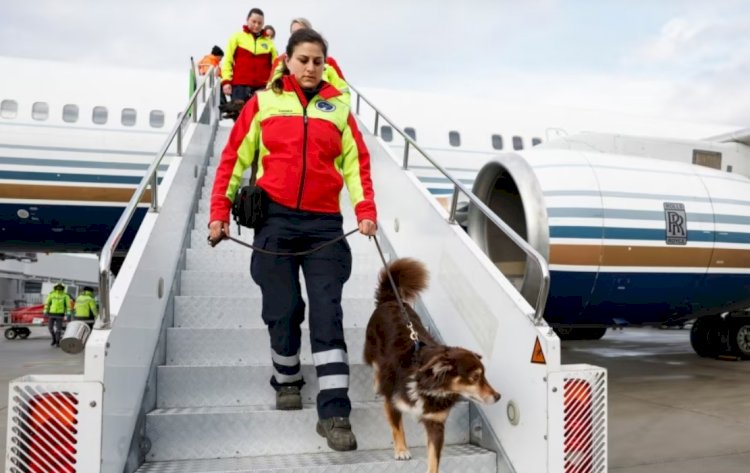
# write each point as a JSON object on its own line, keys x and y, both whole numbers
{"x": 304, "y": 157}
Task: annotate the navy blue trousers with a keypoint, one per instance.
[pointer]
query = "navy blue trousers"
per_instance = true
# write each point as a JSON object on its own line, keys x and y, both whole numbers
{"x": 325, "y": 272}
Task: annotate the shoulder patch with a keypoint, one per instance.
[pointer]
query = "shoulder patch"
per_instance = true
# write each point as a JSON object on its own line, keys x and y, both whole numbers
{"x": 325, "y": 106}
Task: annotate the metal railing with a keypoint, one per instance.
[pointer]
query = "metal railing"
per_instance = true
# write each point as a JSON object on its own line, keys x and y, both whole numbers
{"x": 150, "y": 180}
{"x": 544, "y": 276}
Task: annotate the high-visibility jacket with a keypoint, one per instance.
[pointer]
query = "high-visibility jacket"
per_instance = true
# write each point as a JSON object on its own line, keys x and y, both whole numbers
{"x": 307, "y": 152}
{"x": 248, "y": 59}
{"x": 58, "y": 303}
{"x": 207, "y": 62}
{"x": 86, "y": 305}
{"x": 331, "y": 74}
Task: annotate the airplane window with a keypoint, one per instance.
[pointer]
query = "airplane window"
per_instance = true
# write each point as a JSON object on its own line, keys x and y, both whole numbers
{"x": 386, "y": 133}
{"x": 40, "y": 111}
{"x": 156, "y": 119}
{"x": 729, "y": 168}
{"x": 536, "y": 141}
{"x": 8, "y": 109}
{"x": 411, "y": 133}
{"x": 70, "y": 113}
{"x": 128, "y": 116}
{"x": 517, "y": 143}
{"x": 454, "y": 138}
{"x": 497, "y": 141}
{"x": 99, "y": 115}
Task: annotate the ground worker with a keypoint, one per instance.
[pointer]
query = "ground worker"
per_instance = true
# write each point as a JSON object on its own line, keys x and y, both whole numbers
{"x": 211, "y": 60}
{"x": 57, "y": 306}
{"x": 86, "y": 307}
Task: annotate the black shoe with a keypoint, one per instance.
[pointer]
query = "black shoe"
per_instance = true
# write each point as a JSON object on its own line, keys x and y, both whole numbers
{"x": 338, "y": 433}
{"x": 54, "y": 342}
{"x": 288, "y": 398}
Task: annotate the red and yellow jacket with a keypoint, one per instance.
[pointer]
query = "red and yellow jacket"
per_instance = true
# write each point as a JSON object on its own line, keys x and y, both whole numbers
{"x": 248, "y": 59}
{"x": 331, "y": 74}
{"x": 307, "y": 152}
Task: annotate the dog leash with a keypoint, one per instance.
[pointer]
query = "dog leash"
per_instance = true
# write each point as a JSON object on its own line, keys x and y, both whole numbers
{"x": 413, "y": 336}
{"x": 280, "y": 253}
{"x": 413, "y": 333}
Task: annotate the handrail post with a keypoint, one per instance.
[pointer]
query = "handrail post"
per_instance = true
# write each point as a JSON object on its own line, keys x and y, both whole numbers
{"x": 154, "y": 191}
{"x": 377, "y": 118}
{"x": 406, "y": 154}
{"x": 454, "y": 206}
{"x": 104, "y": 319}
{"x": 358, "y": 96}
{"x": 179, "y": 139}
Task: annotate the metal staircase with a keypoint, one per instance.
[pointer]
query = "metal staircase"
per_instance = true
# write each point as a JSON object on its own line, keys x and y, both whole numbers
{"x": 215, "y": 407}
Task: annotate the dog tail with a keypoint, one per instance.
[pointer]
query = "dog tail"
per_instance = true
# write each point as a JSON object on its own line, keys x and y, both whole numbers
{"x": 410, "y": 277}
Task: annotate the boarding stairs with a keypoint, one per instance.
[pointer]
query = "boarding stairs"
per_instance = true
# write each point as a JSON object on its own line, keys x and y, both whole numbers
{"x": 215, "y": 407}
{"x": 179, "y": 380}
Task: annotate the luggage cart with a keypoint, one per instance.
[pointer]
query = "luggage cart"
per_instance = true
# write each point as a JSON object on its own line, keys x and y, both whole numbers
{"x": 18, "y": 322}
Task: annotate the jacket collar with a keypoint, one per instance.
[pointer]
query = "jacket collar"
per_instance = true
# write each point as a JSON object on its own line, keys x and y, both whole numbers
{"x": 247, "y": 30}
{"x": 327, "y": 91}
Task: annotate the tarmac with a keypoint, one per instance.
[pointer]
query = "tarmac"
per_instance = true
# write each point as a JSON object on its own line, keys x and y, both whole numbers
{"x": 670, "y": 411}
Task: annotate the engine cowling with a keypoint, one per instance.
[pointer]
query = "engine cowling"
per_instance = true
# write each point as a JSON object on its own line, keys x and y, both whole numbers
{"x": 628, "y": 240}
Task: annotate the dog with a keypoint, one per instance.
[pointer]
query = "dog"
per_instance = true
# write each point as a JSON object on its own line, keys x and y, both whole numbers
{"x": 427, "y": 381}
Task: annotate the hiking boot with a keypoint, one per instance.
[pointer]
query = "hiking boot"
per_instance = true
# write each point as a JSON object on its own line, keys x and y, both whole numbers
{"x": 288, "y": 398}
{"x": 338, "y": 433}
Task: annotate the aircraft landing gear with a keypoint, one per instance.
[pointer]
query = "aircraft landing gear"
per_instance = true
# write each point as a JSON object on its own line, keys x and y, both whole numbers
{"x": 714, "y": 335}
{"x": 580, "y": 333}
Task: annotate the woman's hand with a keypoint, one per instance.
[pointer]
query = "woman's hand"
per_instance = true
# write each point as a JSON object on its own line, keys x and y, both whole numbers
{"x": 368, "y": 227}
{"x": 217, "y": 230}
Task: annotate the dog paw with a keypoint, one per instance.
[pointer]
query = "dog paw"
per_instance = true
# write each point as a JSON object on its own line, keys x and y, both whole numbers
{"x": 402, "y": 455}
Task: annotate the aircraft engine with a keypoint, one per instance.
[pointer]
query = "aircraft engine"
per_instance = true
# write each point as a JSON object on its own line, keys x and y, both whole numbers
{"x": 628, "y": 240}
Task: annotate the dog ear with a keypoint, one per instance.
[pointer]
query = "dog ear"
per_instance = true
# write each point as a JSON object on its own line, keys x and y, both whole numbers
{"x": 477, "y": 355}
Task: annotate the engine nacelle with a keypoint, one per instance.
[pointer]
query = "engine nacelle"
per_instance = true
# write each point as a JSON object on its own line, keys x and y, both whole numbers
{"x": 628, "y": 240}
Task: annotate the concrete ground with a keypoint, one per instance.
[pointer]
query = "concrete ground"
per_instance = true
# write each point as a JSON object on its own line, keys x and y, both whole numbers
{"x": 31, "y": 356}
{"x": 670, "y": 411}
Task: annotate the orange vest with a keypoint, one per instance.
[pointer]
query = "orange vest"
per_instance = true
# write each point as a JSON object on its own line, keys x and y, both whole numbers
{"x": 208, "y": 61}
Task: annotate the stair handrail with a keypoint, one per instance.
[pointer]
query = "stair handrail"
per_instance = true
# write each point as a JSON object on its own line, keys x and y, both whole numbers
{"x": 531, "y": 252}
{"x": 104, "y": 319}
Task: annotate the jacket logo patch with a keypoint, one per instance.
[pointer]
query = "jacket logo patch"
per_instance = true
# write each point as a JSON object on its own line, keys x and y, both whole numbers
{"x": 324, "y": 106}
{"x": 264, "y": 46}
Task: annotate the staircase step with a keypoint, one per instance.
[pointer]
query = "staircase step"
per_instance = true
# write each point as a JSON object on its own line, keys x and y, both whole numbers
{"x": 205, "y": 386}
{"x": 222, "y": 432}
{"x": 236, "y": 347}
{"x": 245, "y": 312}
{"x": 455, "y": 459}
{"x": 225, "y": 283}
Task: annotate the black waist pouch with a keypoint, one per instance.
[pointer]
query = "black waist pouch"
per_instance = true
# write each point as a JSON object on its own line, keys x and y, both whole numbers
{"x": 250, "y": 206}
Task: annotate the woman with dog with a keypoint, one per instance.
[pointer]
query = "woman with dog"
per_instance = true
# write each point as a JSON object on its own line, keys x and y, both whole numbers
{"x": 308, "y": 146}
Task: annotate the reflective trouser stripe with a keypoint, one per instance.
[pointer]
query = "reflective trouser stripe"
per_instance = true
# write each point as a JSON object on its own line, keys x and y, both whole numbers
{"x": 336, "y": 355}
{"x": 285, "y": 360}
{"x": 334, "y": 381}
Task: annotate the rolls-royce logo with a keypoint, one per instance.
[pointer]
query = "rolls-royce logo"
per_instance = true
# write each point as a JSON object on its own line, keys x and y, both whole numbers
{"x": 675, "y": 218}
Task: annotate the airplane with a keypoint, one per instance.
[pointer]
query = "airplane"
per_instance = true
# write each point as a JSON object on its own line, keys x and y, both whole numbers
{"x": 478, "y": 142}
{"x": 73, "y": 148}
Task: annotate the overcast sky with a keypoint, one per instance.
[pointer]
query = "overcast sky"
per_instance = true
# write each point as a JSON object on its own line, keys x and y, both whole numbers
{"x": 675, "y": 58}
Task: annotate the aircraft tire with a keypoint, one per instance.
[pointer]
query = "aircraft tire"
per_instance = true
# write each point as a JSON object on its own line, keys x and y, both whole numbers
{"x": 705, "y": 336}
{"x": 580, "y": 333}
{"x": 739, "y": 338}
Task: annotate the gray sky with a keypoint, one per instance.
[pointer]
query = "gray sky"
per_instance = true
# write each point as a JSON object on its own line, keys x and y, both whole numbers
{"x": 685, "y": 59}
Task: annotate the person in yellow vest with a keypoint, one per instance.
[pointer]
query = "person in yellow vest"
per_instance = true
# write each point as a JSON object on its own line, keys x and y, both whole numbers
{"x": 85, "y": 308}
{"x": 247, "y": 63}
{"x": 57, "y": 306}
{"x": 331, "y": 71}
{"x": 307, "y": 147}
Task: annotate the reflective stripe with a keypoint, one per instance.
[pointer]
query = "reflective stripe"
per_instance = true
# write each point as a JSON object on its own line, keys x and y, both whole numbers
{"x": 337, "y": 355}
{"x": 286, "y": 378}
{"x": 285, "y": 360}
{"x": 334, "y": 381}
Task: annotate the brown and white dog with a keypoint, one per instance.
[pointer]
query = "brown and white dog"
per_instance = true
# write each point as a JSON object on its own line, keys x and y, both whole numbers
{"x": 426, "y": 382}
